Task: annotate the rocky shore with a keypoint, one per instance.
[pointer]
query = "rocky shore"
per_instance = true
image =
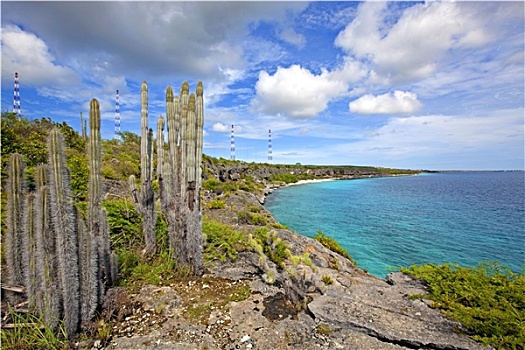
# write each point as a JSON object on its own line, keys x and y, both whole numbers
{"x": 343, "y": 307}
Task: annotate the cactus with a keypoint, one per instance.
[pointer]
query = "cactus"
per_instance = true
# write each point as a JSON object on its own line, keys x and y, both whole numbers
{"x": 49, "y": 297}
{"x": 83, "y": 127}
{"x": 93, "y": 290}
{"x": 15, "y": 208}
{"x": 63, "y": 219}
{"x": 199, "y": 115}
{"x": 160, "y": 147}
{"x": 15, "y": 241}
{"x": 95, "y": 178}
{"x": 144, "y": 200}
{"x": 114, "y": 267}
{"x": 170, "y": 187}
{"x": 104, "y": 252}
{"x": 89, "y": 283}
{"x": 29, "y": 250}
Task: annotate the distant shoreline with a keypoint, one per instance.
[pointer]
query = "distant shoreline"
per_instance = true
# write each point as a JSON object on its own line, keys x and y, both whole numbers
{"x": 304, "y": 182}
{"x": 270, "y": 188}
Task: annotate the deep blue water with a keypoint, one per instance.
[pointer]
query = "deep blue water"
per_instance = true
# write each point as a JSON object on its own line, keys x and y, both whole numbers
{"x": 384, "y": 223}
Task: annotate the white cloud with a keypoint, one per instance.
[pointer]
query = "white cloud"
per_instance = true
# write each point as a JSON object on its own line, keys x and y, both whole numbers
{"x": 349, "y": 71}
{"x": 219, "y": 127}
{"x": 398, "y": 102}
{"x": 28, "y": 55}
{"x": 296, "y": 92}
{"x": 412, "y": 47}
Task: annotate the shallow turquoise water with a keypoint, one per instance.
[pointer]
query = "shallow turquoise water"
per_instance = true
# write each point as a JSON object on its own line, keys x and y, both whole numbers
{"x": 385, "y": 223}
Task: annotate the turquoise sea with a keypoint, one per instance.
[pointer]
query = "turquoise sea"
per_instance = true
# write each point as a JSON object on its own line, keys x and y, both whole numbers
{"x": 384, "y": 223}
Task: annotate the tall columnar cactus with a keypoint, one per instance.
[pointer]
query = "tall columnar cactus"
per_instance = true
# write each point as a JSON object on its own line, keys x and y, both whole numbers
{"x": 199, "y": 115}
{"x": 144, "y": 200}
{"x": 29, "y": 250}
{"x": 95, "y": 158}
{"x": 64, "y": 224}
{"x": 15, "y": 209}
{"x": 92, "y": 267}
{"x": 170, "y": 182}
{"x": 160, "y": 146}
{"x": 104, "y": 251}
{"x": 89, "y": 283}
{"x": 49, "y": 297}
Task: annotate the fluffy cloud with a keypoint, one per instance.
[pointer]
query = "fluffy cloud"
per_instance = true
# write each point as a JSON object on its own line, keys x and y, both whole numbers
{"x": 398, "y": 102}
{"x": 296, "y": 92}
{"x": 219, "y": 127}
{"x": 29, "y": 55}
{"x": 410, "y": 48}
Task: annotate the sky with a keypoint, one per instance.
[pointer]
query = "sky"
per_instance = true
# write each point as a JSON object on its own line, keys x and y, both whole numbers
{"x": 416, "y": 85}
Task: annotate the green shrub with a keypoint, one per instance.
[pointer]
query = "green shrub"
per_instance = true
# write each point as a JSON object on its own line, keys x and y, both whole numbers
{"x": 278, "y": 226}
{"x": 211, "y": 184}
{"x": 229, "y": 186}
{"x": 251, "y": 218}
{"x": 324, "y": 329}
{"x": 216, "y": 204}
{"x": 125, "y": 223}
{"x": 222, "y": 240}
{"x": 273, "y": 247}
{"x": 158, "y": 270}
{"x": 333, "y": 245}
{"x": 488, "y": 299}
{"x": 327, "y": 280}
{"x": 162, "y": 234}
{"x": 258, "y": 219}
{"x": 254, "y": 209}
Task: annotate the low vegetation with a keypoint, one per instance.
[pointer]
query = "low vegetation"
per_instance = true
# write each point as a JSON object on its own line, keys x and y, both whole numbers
{"x": 30, "y": 332}
{"x": 333, "y": 245}
{"x": 488, "y": 299}
{"x": 273, "y": 247}
{"x": 223, "y": 241}
{"x": 327, "y": 280}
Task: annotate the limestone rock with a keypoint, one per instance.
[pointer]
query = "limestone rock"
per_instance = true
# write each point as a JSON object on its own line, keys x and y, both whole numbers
{"x": 161, "y": 300}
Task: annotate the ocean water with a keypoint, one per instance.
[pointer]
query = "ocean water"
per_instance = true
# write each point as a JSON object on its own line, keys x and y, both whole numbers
{"x": 386, "y": 223}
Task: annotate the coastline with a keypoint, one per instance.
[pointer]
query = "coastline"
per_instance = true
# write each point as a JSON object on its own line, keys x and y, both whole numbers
{"x": 271, "y": 187}
{"x": 304, "y": 182}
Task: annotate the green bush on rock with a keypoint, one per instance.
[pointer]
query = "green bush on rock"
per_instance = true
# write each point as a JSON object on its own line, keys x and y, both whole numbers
{"x": 488, "y": 299}
{"x": 333, "y": 245}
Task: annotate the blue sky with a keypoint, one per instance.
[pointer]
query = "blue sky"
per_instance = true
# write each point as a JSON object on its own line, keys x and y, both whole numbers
{"x": 420, "y": 85}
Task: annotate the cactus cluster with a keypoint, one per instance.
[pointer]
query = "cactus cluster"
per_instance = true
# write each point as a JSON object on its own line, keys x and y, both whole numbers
{"x": 178, "y": 172}
{"x": 64, "y": 263}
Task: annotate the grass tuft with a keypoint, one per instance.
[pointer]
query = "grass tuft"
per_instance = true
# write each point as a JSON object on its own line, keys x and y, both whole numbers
{"x": 30, "y": 332}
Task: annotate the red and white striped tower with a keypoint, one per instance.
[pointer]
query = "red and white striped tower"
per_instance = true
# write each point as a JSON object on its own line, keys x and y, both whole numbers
{"x": 270, "y": 157}
{"x": 117, "y": 116}
{"x": 232, "y": 145}
{"x": 16, "y": 98}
